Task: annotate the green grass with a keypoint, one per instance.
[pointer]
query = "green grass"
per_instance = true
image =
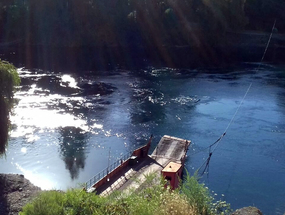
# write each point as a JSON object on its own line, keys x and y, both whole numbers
{"x": 191, "y": 199}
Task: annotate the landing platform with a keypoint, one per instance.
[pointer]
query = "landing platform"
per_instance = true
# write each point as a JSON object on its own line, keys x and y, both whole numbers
{"x": 131, "y": 176}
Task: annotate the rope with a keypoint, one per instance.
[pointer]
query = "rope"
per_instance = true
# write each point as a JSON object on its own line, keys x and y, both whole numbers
{"x": 268, "y": 42}
{"x": 217, "y": 142}
{"x": 232, "y": 120}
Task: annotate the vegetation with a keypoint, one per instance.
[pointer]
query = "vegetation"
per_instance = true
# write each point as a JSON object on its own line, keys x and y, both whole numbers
{"x": 193, "y": 198}
{"x": 132, "y": 22}
{"x": 8, "y": 80}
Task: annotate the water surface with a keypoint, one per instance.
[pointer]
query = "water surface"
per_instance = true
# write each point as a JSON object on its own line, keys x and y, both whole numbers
{"x": 65, "y": 126}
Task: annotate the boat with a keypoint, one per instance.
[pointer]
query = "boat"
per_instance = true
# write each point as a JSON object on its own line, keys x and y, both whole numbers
{"x": 167, "y": 159}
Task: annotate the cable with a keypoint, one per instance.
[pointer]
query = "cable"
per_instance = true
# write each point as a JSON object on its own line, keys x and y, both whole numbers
{"x": 230, "y": 123}
{"x": 268, "y": 42}
{"x": 216, "y": 143}
{"x": 267, "y": 45}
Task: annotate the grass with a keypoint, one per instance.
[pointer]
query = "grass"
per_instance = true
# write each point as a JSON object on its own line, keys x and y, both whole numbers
{"x": 191, "y": 199}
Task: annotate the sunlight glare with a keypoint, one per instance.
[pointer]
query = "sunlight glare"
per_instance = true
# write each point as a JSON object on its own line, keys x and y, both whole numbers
{"x": 69, "y": 80}
{"x": 37, "y": 179}
{"x": 43, "y": 118}
{"x": 24, "y": 150}
{"x": 98, "y": 126}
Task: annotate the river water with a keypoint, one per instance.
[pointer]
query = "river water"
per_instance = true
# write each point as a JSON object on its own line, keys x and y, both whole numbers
{"x": 66, "y": 125}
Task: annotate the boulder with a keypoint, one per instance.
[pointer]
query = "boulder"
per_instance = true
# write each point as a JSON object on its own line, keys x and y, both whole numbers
{"x": 15, "y": 192}
{"x": 247, "y": 211}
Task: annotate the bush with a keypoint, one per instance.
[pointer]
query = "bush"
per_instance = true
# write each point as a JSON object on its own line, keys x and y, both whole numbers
{"x": 199, "y": 197}
{"x": 192, "y": 199}
{"x": 71, "y": 202}
{"x": 9, "y": 78}
{"x": 197, "y": 194}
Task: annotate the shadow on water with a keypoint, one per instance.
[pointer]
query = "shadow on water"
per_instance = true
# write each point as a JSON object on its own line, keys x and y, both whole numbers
{"x": 4, "y": 128}
{"x": 73, "y": 142}
{"x": 73, "y": 59}
{"x": 77, "y": 59}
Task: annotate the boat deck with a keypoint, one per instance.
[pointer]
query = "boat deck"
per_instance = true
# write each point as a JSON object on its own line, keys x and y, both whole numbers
{"x": 131, "y": 177}
{"x": 171, "y": 148}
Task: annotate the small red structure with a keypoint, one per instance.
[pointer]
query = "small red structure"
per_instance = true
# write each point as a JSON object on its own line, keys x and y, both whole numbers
{"x": 172, "y": 173}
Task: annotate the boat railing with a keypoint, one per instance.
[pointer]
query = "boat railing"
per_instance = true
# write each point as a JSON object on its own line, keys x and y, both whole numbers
{"x": 106, "y": 171}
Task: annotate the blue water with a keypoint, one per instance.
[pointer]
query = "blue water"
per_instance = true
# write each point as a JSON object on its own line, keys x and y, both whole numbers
{"x": 60, "y": 139}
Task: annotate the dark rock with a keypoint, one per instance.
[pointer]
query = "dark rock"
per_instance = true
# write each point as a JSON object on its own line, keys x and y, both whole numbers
{"x": 48, "y": 82}
{"x": 26, "y": 81}
{"x": 54, "y": 84}
{"x": 96, "y": 88}
{"x": 247, "y": 211}
{"x": 15, "y": 192}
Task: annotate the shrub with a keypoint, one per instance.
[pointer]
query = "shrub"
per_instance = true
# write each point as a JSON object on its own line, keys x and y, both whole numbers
{"x": 173, "y": 203}
{"x": 9, "y": 78}
{"x": 196, "y": 194}
{"x": 199, "y": 197}
{"x": 153, "y": 198}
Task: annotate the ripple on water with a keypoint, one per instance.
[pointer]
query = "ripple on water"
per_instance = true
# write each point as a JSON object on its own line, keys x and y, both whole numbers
{"x": 159, "y": 101}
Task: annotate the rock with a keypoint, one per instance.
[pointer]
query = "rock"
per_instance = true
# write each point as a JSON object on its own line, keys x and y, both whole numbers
{"x": 247, "y": 211}
{"x": 54, "y": 84}
{"x": 96, "y": 88}
{"x": 15, "y": 192}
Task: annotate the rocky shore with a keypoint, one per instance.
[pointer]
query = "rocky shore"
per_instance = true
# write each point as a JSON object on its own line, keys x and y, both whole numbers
{"x": 16, "y": 191}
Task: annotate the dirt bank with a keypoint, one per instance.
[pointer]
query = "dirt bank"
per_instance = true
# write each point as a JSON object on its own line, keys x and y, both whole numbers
{"x": 15, "y": 192}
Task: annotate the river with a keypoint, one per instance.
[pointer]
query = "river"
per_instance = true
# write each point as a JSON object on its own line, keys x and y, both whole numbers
{"x": 65, "y": 125}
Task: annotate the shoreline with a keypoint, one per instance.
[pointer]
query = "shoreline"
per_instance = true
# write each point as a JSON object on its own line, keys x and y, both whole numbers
{"x": 16, "y": 191}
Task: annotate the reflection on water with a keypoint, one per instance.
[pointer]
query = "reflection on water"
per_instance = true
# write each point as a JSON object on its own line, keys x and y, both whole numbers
{"x": 64, "y": 126}
{"x": 73, "y": 142}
